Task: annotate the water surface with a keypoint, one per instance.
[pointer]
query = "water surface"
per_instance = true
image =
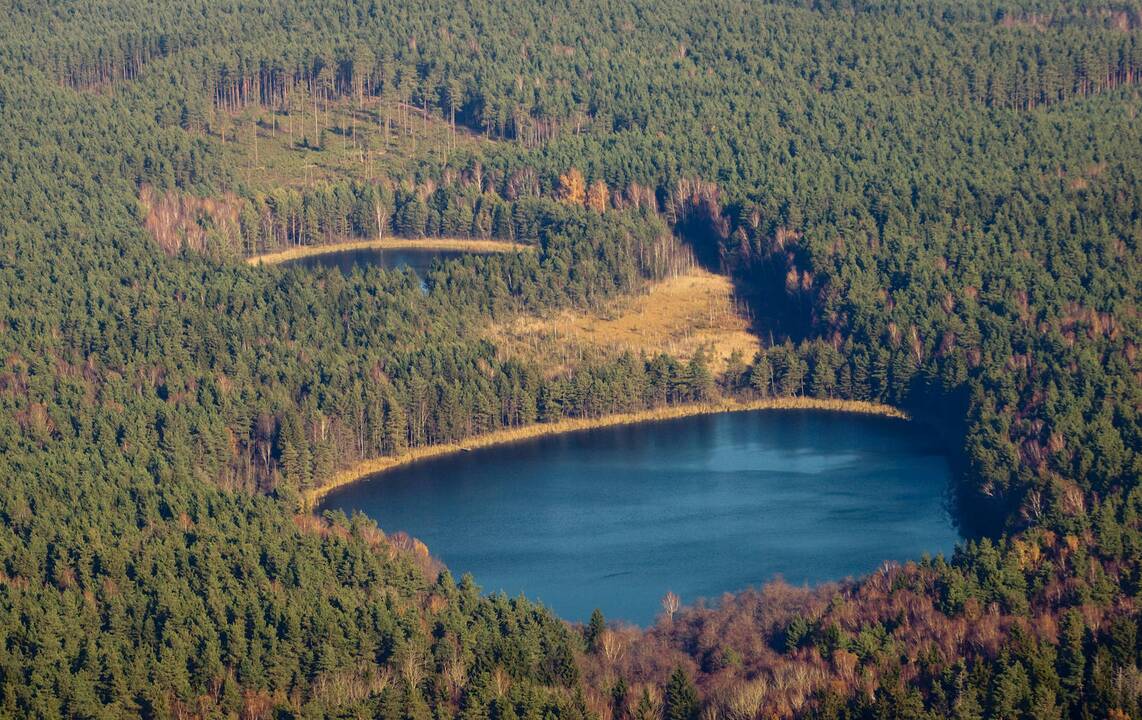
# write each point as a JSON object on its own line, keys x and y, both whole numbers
{"x": 615, "y": 517}
{"x": 419, "y": 260}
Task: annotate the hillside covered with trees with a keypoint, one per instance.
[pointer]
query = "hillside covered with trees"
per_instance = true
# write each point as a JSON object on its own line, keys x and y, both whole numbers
{"x": 934, "y": 205}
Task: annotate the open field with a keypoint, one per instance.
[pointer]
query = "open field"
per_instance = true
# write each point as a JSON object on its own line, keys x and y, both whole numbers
{"x": 272, "y": 149}
{"x": 679, "y": 316}
{"x": 372, "y": 466}
{"x": 459, "y": 244}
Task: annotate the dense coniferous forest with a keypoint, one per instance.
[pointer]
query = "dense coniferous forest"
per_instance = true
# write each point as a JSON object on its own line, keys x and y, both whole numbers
{"x": 934, "y": 205}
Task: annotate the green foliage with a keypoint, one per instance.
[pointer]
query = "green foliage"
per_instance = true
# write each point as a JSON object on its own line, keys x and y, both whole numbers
{"x": 594, "y": 630}
{"x": 934, "y": 205}
{"x": 681, "y": 700}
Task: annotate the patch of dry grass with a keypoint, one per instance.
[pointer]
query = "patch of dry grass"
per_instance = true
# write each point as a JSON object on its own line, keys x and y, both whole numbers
{"x": 680, "y": 316}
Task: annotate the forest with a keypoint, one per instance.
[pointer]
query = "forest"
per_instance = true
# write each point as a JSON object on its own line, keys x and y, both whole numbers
{"x": 934, "y": 205}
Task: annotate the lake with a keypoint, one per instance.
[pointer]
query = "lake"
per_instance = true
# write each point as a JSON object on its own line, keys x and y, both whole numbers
{"x": 615, "y": 517}
{"x": 419, "y": 260}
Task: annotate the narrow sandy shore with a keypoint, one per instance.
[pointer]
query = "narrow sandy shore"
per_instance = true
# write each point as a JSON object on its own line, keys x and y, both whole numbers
{"x": 372, "y": 466}
{"x": 458, "y": 244}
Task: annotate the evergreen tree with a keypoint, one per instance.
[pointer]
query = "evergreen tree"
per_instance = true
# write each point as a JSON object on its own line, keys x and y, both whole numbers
{"x": 1072, "y": 658}
{"x": 594, "y": 629}
{"x": 681, "y": 702}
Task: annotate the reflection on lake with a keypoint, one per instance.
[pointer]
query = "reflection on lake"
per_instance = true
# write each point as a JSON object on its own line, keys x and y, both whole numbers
{"x": 419, "y": 260}
{"x": 615, "y": 517}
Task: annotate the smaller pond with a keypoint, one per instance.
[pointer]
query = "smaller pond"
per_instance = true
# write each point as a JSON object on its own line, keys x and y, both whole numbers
{"x": 419, "y": 260}
{"x": 615, "y": 517}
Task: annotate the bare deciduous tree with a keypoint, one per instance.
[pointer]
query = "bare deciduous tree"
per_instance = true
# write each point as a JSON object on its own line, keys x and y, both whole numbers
{"x": 612, "y": 645}
{"x": 670, "y": 604}
{"x": 501, "y": 681}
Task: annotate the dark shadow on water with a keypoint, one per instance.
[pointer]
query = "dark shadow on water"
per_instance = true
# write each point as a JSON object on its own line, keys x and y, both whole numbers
{"x": 419, "y": 260}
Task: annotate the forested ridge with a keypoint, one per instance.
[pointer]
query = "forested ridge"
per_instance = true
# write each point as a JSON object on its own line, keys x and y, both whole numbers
{"x": 932, "y": 205}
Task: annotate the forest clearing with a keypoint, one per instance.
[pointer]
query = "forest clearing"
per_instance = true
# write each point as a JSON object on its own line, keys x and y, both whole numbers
{"x": 694, "y": 312}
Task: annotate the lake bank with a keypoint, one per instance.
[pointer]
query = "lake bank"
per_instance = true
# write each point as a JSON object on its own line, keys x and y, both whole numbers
{"x": 372, "y": 466}
{"x": 453, "y": 244}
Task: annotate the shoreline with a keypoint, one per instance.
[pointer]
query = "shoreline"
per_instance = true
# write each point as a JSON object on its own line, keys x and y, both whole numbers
{"x": 392, "y": 243}
{"x": 373, "y": 466}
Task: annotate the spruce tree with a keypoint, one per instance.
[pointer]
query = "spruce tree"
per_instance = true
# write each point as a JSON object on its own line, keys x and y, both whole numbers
{"x": 681, "y": 697}
{"x": 594, "y": 629}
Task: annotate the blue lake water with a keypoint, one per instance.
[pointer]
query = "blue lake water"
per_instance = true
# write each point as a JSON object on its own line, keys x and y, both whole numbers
{"x": 419, "y": 260}
{"x": 615, "y": 517}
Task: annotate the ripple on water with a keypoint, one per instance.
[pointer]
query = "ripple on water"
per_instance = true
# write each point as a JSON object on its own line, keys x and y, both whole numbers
{"x": 615, "y": 517}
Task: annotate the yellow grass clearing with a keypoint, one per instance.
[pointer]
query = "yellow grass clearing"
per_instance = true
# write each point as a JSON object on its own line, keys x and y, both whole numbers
{"x": 680, "y": 316}
{"x": 372, "y": 466}
{"x": 459, "y": 244}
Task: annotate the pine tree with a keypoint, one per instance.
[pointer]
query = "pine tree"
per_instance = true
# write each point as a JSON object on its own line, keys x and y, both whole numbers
{"x": 324, "y": 462}
{"x": 701, "y": 380}
{"x": 681, "y": 697}
{"x": 594, "y": 629}
{"x": 619, "y": 699}
{"x": 646, "y": 709}
{"x": 396, "y": 428}
{"x": 1011, "y": 693}
{"x": 761, "y": 375}
{"x": 1072, "y": 658}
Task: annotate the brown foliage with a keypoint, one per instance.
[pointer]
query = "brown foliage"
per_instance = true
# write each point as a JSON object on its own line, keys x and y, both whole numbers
{"x": 573, "y": 187}
{"x": 176, "y": 220}
{"x": 256, "y": 705}
{"x": 770, "y": 681}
